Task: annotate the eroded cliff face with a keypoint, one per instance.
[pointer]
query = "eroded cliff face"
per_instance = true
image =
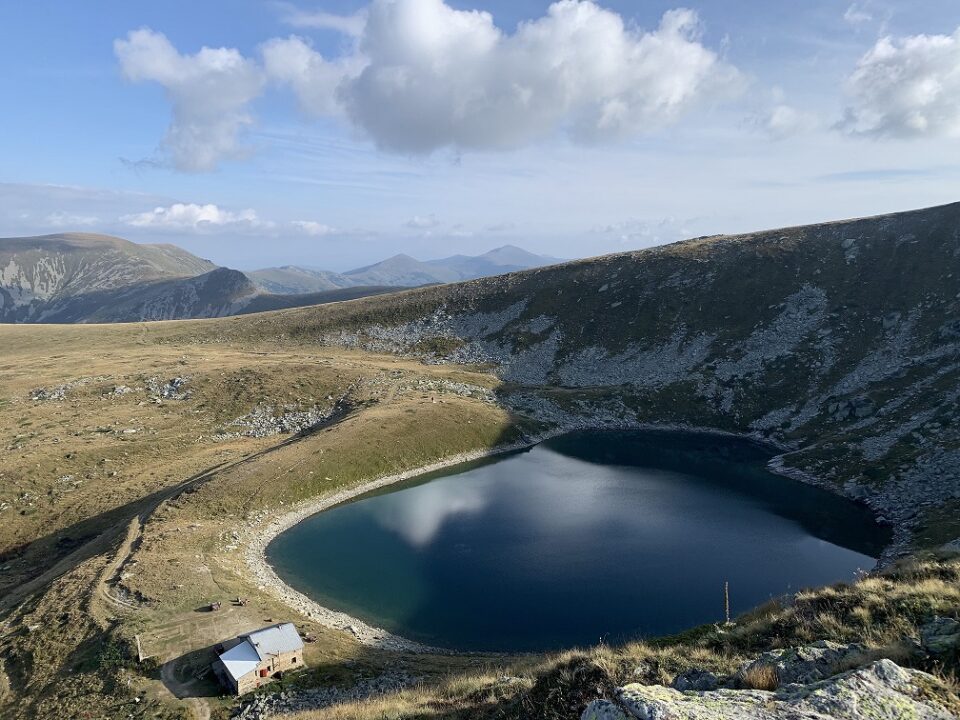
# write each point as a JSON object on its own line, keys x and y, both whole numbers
{"x": 840, "y": 342}
{"x": 40, "y": 276}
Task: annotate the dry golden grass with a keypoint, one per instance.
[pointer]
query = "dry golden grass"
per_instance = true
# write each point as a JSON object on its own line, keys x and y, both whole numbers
{"x": 761, "y": 676}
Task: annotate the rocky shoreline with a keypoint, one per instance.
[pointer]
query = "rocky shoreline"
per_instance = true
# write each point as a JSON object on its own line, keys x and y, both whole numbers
{"x": 262, "y": 529}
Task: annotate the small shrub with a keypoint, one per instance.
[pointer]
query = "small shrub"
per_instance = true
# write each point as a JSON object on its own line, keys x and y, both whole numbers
{"x": 113, "y": 655}
{"x": 150, "y": 666}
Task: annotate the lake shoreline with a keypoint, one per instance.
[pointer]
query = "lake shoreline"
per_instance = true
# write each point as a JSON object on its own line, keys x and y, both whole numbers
{"x": 261, "y": 533}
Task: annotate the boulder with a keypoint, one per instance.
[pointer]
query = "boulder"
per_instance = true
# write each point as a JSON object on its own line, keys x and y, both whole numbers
{"x": 941, "y": 636}
{"x": 698, "y": 680}
{"x": 879, "y": 691}
{"x": 604, "y": 710}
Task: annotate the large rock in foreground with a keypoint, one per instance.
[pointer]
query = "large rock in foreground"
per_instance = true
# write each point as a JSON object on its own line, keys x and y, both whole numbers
{"x": 880, "y": 691}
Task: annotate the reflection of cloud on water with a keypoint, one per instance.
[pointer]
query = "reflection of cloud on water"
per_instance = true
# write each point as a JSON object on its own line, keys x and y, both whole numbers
{"x": 559, "y": 494}
{"x": 418, "y": 515}
{"x": 551, "y": 499}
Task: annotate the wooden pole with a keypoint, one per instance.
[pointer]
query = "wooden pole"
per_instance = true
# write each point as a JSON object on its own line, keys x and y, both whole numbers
{"x": 726, "y": 599}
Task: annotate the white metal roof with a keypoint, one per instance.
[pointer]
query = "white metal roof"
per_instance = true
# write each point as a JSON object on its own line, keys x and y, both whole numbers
{"x": 276, "y": 639}
{"x": 240, "y": 659}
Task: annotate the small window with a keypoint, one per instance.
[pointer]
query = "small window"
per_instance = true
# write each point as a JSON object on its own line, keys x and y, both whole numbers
{"x": 294, "y": 661}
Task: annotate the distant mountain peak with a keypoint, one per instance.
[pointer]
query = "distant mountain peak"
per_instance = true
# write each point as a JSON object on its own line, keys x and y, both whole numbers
{"x": 399, "y": 270}
{"x": 517, "y": 256}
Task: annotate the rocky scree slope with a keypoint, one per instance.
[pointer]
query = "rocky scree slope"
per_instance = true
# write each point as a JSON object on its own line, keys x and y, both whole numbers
{"x": 840, "y": 342}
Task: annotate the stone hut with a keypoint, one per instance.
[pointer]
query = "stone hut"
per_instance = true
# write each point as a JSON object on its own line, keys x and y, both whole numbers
{"x": 257, "y": 658}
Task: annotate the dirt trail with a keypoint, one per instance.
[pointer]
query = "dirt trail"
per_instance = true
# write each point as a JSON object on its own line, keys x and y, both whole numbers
{"x": 111, "y": 574}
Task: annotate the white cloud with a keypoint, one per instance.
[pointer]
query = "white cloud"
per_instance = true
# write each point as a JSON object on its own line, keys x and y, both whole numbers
{"x": 319, "y": 20}
{"x": 313, "y": 228}
{"x": 28, "y": 209}
{"x": 858, "y": 13}
{"x": 422, "y": 76}
{"x": 906, "y": 87}
{"x": 61, "y": 219}
{"x": 438, "y": 77}
{"x": 193, "y": 217}
{"x": 783, "y": 121}
{"x": 209, "y": 93}
{"x": 422, "y": 222}
{"x": 779, "y": 119}
{"x": 314, "y": 79}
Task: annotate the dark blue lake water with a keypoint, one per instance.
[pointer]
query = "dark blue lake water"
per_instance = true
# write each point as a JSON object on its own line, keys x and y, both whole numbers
{"x": 612, "y": 535}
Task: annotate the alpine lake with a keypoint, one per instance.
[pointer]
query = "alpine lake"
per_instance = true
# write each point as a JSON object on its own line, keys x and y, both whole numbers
{"x": 588, "y": 537}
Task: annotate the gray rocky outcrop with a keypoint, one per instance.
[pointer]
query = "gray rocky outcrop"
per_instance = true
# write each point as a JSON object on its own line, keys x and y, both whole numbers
{"x": 806, "y": 664}
{"x": 879, "y": 691}
{"x": 941, "y": 636}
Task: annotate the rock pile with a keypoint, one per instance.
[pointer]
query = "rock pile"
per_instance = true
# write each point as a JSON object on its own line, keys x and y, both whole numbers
{"x": 264, "y": 420}
{"x": 858, "y": 407}
{"x": 44, "y": 394}
{"x": 269, "y": 705}
{"x": 169, "y": 390}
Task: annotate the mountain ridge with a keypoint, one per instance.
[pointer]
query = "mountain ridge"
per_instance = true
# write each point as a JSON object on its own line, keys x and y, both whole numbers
{"x": 401, "y": 270}
{"x": 88, "y": 277}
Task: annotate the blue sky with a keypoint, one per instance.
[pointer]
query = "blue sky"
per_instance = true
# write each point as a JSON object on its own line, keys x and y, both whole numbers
{"x": 332, "y": 134}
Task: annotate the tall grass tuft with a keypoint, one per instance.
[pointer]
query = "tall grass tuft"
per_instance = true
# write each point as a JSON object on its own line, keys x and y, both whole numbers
{"x": 761, "y": 676}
